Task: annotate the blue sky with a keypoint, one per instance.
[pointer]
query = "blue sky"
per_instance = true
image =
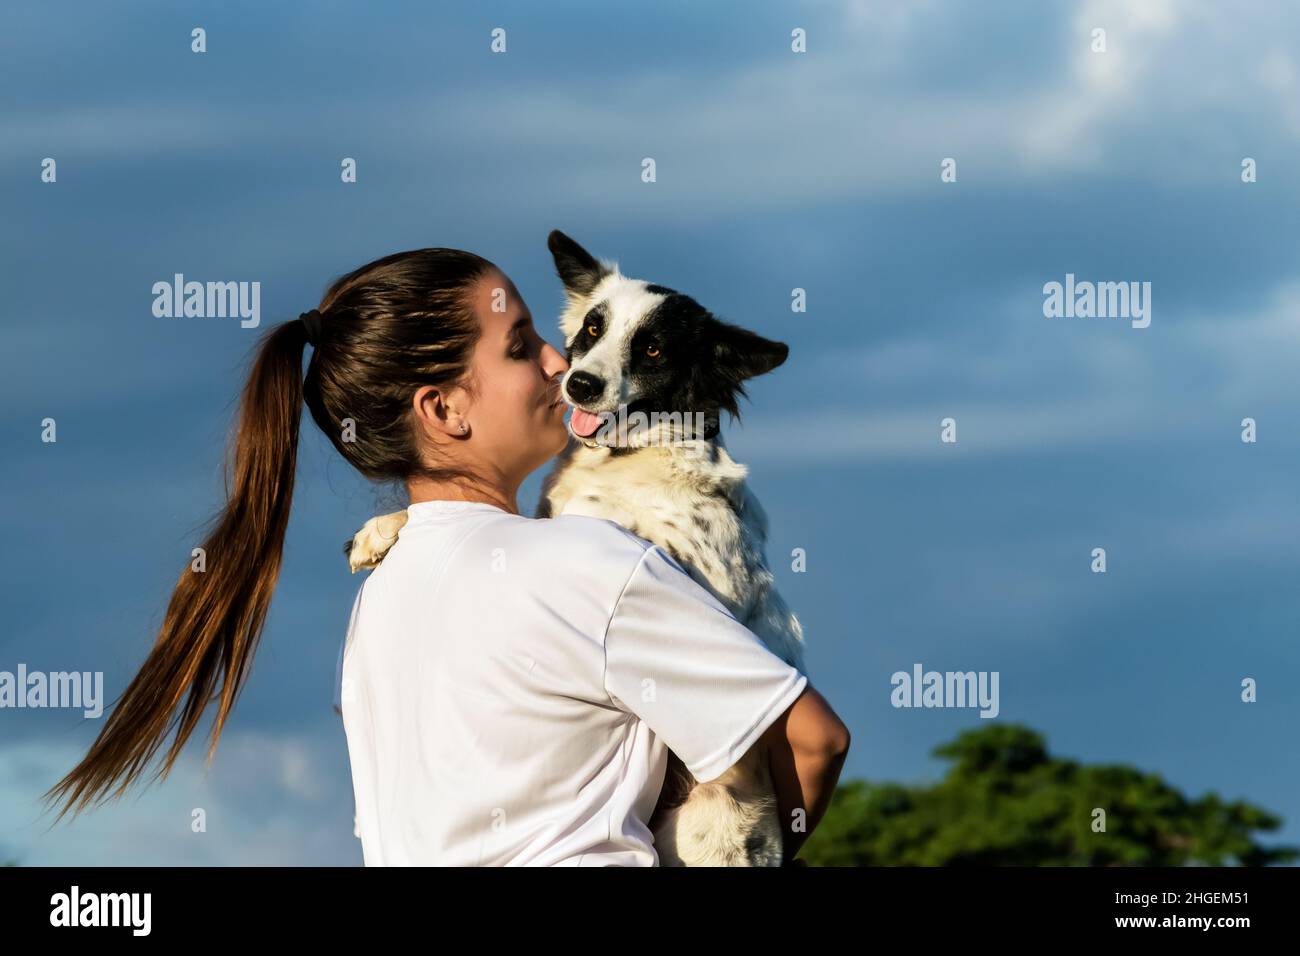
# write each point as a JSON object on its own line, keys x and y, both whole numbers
{"x": 775, "y": 171}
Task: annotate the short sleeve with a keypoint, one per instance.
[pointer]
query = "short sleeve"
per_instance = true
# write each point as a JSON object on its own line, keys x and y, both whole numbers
{"x": 701, "y": 680}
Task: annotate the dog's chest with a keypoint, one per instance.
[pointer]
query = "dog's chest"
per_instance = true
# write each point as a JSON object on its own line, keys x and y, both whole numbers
{"x": 695, "y": 508}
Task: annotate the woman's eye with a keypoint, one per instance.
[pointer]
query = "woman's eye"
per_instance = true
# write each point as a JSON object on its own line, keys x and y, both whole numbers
{"x": 518, "y": 351}
{"x": 593, "y": 331}
{"x": 652, "y": 351}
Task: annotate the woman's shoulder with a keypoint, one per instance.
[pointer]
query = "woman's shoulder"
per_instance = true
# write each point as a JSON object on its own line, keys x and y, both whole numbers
{"x": 570, "y": 546}
{"x": 587, "y": 538}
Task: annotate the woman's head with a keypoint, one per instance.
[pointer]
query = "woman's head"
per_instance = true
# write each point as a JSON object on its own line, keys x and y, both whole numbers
{"x": 504, "y": 416}
{"x": 425, "y": 369}
{"x": 429, "y": 369}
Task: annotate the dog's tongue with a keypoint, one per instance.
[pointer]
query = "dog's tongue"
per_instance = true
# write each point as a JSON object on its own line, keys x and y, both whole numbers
{"x": 584, "y": 423}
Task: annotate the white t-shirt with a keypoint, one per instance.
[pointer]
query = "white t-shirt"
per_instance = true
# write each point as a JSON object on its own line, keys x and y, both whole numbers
{"x": 511, "y": 686}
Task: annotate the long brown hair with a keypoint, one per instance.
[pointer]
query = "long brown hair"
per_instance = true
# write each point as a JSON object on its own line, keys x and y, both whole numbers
{"x": 386, "y": 329}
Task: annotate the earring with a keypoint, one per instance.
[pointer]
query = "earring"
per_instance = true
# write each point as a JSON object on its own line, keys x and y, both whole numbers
{"x": 463, "y": 426}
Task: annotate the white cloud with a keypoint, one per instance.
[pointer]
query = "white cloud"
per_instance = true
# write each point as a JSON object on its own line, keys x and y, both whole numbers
{"x": 838, "y": 435}
{"x": 847, "y": 120}
{"x": 124, "y": 131}
{"x": 1118, "y": 386}
{"x": 1258, "y": 353}
{"x": 268, "y": 799}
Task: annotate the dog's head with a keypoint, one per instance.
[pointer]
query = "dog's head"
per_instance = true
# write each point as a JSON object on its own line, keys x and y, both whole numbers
{"x": 647, "y": 347}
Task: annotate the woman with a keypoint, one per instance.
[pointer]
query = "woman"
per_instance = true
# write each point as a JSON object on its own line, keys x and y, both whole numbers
{"x": 511, "y": 686}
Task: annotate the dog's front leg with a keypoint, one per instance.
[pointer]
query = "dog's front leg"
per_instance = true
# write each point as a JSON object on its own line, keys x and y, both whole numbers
{"x": 369, "y": 545}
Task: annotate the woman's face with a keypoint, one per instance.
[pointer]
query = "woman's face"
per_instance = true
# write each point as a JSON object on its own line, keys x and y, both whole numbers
{"x": 515, "y": 414}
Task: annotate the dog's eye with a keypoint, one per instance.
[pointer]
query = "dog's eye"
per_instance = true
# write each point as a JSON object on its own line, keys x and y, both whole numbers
{"x": 652, "y": 351}
{"x": 593, "y": 331}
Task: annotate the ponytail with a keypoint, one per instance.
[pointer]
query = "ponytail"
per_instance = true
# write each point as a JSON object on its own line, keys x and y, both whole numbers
{"x": 382, "y": 331}
{"x": 215, "y": 616}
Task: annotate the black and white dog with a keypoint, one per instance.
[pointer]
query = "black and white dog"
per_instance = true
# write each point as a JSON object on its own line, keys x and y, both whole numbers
{"x": 651, "y": 371}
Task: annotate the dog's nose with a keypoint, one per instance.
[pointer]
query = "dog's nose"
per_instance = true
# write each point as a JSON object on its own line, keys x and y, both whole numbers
{"x": 584, "y": 387}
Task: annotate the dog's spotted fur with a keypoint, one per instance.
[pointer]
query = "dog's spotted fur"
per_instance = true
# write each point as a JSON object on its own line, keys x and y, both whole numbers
{"x": 686, "y": 495}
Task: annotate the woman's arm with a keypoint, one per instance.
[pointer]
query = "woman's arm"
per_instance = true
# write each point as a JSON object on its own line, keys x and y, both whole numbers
{"x": 806, "y": 748}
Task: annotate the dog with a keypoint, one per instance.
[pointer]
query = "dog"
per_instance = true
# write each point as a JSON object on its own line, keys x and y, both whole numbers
{"x": 645, "y": 355}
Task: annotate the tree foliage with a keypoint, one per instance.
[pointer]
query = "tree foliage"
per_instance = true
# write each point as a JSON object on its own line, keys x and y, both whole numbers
{"x": 1006, "y": 802}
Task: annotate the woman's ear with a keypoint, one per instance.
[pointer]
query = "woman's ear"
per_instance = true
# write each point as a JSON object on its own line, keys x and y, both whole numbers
{"x": 436, "y": 411}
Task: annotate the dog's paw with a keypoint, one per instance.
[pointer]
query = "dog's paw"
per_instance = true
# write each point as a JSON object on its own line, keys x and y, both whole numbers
{"x": 369, "y": 545}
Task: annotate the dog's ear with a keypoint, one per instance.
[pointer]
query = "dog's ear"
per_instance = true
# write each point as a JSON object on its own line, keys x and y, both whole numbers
{"x": 577, "y": 268}
{"x": 739, "y": 354}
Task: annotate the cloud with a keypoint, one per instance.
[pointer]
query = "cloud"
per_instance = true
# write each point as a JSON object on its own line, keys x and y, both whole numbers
{"x": 1105, "y": 386}
{"x": 269, "y": 799}
{"x": 1257, "y": 353}
{"x": 127, "y": 131}
{"x": 982, "y": 429}
{"x": 858, "y": 116}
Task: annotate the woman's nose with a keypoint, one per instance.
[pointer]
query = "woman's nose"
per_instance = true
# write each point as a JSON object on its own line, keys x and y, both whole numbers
{"x": 554, "y": 362}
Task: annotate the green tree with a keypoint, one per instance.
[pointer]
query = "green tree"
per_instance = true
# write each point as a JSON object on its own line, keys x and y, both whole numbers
{"x": 1006, "y": 802}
